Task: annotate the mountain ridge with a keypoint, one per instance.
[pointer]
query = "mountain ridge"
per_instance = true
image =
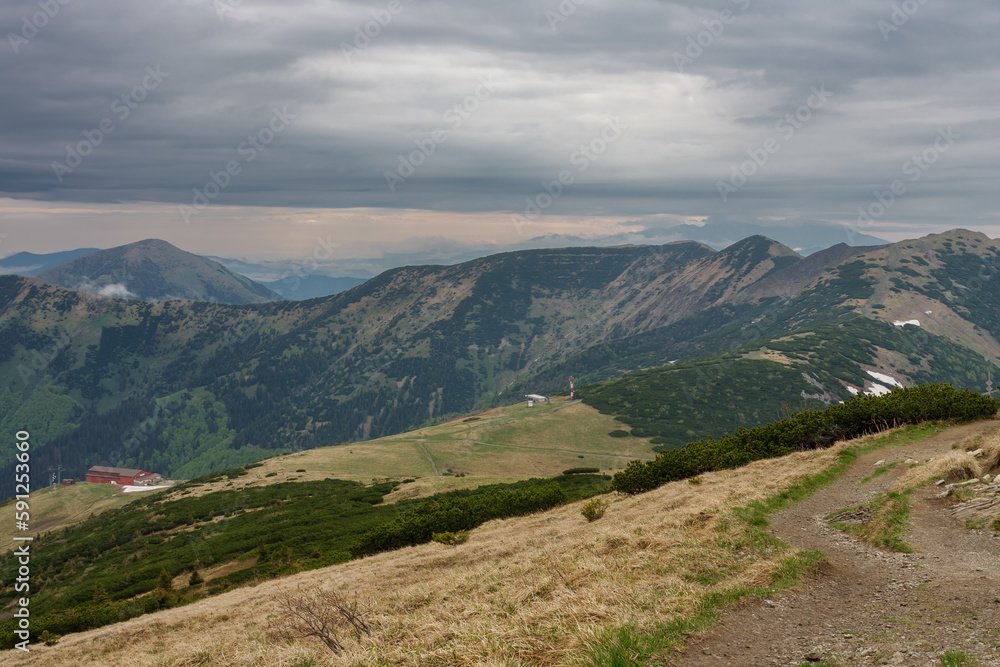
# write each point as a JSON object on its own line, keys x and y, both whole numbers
{"x": 417, "y": 344}
{"x": 153, "y": 269}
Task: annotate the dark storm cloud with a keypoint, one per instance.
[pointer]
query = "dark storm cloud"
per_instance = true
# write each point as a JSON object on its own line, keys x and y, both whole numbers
{"x": 698, "y": 87}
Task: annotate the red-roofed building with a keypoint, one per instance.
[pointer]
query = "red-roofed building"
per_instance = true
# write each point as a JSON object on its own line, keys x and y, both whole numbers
{"x": 122, "y": 476}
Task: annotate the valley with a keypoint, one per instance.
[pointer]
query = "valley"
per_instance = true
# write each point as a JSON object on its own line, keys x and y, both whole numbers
{"x": 323, "y": 436}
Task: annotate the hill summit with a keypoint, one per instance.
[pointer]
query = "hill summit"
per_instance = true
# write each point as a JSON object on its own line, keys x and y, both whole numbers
{"x": 154, "y": 270}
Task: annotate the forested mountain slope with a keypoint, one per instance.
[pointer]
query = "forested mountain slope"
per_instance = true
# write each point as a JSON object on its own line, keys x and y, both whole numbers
{"x": 187, "y": 387}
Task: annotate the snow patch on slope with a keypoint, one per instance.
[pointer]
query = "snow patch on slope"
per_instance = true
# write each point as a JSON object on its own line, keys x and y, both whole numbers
{"x": 903, "y": 323}
{"x": 886, "y": 379}
{"x": 877, "y": 390}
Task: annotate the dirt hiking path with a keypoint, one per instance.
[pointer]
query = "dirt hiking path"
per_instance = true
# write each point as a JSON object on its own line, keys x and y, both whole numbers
{"x": 867, "y": 606}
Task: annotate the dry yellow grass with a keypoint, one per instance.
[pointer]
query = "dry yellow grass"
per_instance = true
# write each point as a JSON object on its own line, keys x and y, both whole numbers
{"x": 525, "y": 591}
{"x": 957, "y": 459}
{"x": 54, "y": 507}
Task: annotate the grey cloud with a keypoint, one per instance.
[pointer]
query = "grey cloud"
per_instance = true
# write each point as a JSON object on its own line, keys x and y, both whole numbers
{"x": 555, "y": 88}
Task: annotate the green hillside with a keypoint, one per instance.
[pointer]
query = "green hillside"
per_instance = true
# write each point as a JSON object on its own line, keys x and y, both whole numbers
{"x": 758, "y": 383}
{"x": 206, "y": 536}
{"x": 409, "y": 347}
{"x": 191, "y": 387}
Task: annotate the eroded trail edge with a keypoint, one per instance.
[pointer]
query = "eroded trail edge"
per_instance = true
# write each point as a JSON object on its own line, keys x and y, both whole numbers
{"x": 870, "y": 606}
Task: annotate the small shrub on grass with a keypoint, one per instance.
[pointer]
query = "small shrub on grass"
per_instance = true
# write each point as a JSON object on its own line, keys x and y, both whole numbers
{"x": 48, "y": 638}
{"x": 451, "y": 539}
{"x": 324, "y": 616}
{"x": 975, "y": 524}
{"x": 301, "y": 470}
{"x": 165, "y": 582}
{"x": 594, "y": 509}
{"x": 619, "y": 433}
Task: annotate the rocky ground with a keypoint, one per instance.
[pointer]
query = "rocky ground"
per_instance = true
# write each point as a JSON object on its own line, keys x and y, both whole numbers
{"x": 869, "y": 606}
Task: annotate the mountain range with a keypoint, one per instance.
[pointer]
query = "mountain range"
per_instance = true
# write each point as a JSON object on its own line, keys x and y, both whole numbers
{"x": 154, "y": 270}
{"x": 188, "y": 387}
{"x": 30, "y": 264}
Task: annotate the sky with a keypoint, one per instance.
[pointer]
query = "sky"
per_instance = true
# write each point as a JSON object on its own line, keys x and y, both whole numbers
{"x": 264, "y": 129}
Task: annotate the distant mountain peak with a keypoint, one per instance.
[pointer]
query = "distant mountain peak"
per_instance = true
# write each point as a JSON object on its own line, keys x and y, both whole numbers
{"x": 775, "y": 248}
{"x": 155, "y": 270}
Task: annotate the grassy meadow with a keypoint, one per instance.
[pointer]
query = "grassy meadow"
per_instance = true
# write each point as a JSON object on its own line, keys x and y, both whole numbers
{"x": 545, "y": 589}
{"x": 504, "y": 445}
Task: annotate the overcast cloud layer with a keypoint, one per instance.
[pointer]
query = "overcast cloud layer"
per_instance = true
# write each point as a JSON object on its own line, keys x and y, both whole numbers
{"x": 649, "y": 111}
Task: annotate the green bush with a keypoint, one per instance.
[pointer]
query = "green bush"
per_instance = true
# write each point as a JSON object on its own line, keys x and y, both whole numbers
{"x": 594, "y": 509}
{"x": 454, "y": 514}
{"x": 811, "y": 429}
{"x": 580, "y": 471}
{"x": 451, "y": 539}
{"x": 619, "y": 433}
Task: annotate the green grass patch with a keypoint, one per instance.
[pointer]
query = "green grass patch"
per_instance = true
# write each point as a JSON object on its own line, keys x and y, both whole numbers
{"x": 958, "y": 659}
{"x": 887, "y": 524}
{"x": 881, "y": 470}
